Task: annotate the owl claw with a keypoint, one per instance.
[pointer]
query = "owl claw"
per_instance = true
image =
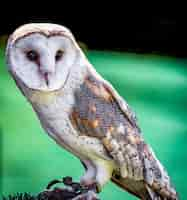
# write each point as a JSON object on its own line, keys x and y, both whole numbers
{"x": 90, "y": 195}
{"x": 92, "y": 187}
{"x": 75, "y": 186}
{"x": 51, "y": 183}
{"x": 67, "y": 180}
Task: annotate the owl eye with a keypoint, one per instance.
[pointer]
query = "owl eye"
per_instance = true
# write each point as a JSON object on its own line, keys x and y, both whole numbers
{"x": 59, "y": 55}
{"x": 32, "y": 55}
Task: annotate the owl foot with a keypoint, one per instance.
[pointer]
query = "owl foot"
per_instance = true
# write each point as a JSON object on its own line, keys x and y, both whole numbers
{"x": 75, "y": 190}
{"x": 93, "y": 187}
{"x": 90, "y": 195}
{"x": 51, "y": 183}
{"x": 68, "y": 182}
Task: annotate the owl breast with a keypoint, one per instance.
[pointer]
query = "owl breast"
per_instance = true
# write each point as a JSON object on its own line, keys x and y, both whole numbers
{"x": 53, "y": 111}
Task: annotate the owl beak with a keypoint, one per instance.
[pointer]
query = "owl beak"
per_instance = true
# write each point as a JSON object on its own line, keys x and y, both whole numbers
{"x": 46, "y": 77}
{"x": 47, "y": 68}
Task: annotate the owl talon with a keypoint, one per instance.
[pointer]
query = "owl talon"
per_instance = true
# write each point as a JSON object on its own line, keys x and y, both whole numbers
{"x": 67, "y": 180}
{"x": 51, "y": 183}
{"x": 90, "y": 195}
{"x": 74, "y": 185}
{"x": 92, "y": 187}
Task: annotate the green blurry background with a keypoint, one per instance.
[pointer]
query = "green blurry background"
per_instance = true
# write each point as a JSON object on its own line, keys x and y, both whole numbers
{"x": 154, "y": 86}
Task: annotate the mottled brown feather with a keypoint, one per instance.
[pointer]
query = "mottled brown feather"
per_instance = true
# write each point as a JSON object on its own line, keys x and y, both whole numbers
{"x": 99, "y": 113}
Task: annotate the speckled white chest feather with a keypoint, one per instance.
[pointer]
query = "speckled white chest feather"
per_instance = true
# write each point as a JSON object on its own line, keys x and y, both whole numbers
{"x": 54, "y": 111}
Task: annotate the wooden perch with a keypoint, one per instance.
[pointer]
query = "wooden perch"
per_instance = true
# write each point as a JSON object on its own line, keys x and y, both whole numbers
{"x": 71, "y": 191}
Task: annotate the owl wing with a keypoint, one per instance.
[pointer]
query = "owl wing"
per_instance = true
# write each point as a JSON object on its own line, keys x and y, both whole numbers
{"x": 100, "y": 112}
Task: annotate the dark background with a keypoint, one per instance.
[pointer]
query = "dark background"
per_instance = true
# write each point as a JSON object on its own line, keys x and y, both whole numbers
{"x": 144, "y": 29}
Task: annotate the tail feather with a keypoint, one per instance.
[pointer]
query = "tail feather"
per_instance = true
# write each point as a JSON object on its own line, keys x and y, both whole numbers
{"x": 141, "y": 189}
{"x": 161, "y": 183}
{"x": 153, "y": 195}
{"x": 137, "y": 188}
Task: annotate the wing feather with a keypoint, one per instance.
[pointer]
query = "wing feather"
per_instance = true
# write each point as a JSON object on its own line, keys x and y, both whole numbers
{"x": 100, "y": 112}
{"x": 123, "y": 105}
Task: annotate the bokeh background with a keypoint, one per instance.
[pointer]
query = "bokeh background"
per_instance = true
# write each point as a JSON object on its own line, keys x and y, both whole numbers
{"x": 143, "y": 55}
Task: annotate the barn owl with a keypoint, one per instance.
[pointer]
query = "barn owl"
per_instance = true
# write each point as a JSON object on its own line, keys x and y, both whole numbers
{"x": 83, "y": 112}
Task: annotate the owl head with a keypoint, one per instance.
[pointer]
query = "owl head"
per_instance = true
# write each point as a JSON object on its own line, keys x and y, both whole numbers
{"x": 41, "y": 55}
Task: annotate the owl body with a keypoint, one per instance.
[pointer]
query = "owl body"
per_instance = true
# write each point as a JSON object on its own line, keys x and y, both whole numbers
{"x": 83, "y": 113}
{"x": 54, "y": 111}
